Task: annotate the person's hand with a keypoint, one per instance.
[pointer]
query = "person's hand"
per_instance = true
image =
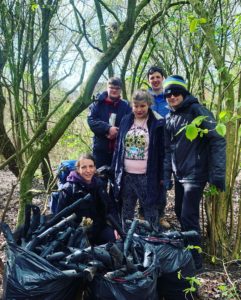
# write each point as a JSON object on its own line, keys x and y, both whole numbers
{"x": 168, "y": 184}
{"x": 219, "y": 184}
{"x": 113, "y": 131}
{"x": 117, "y": 236}
{"x": 87, "y": 221}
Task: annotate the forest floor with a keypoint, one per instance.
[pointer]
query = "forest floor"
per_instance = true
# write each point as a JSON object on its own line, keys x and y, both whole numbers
{"x": 211, "y": 278}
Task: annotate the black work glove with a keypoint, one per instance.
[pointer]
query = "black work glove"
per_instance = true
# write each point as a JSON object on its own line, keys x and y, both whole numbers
{"x": 105, "y": 172}
{"x": 219, "y": 183}
{"x": 168, "y": 184}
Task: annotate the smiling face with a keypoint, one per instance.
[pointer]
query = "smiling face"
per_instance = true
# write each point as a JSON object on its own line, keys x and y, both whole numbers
{"x": 113, "y": 91}
{"x": 140, "y": 109}
{"x": 155, "y": 79}
{"x": 174, "y": 99}
{"x": 86, "y": 169}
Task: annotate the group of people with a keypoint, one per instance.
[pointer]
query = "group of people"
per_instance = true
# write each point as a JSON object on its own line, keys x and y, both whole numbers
{"x": 146, "y": 151}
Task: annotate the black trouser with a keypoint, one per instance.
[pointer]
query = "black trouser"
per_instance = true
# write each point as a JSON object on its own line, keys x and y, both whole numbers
{"x": 102, "y": 158}
{"x": 162, "y": 202}
{"x": 134, "y": 186}
{"x": 187, "y": 202}
{"x": 161, "y": 205}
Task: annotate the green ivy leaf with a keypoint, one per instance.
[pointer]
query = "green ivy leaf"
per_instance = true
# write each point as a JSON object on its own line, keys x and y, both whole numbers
{"x": 213, "y": 259}
{"x": 196, "y": 281}
{"x": 221, "y": 129}
{"x": 202, "y": 20}
{"x": 222, "y": 115}
{"x": 238, "y": 20}
{"x": 189, "y": 290}
{"x": 34, "y": 6}
{"x": 179, "y": 275}
{"x": 190, "y": 247}
{"x": 191, "y": 132}
{"x": 222, "y": 287}
{"x": 225, "y": 116}
{"x": 193, "y": 25}
{"x": 212, "y": 190}
{"x": 198, "y": 120}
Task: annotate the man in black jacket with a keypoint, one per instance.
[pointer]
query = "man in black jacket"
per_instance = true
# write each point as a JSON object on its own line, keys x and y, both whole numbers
{"x": 104, "y": 118}
{"x": 193, "y": 163}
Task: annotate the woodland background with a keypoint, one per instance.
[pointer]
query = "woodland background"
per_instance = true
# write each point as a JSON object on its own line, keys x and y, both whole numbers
{"x": 55, "y": 55}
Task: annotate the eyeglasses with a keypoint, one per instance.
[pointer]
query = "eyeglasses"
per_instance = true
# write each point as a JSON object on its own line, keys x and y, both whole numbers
{"x": 175, "y": 94}
{"x": 115, "y": 88}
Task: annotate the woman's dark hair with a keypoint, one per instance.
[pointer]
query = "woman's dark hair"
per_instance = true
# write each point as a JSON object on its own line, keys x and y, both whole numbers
{"x": 85, "y": 156}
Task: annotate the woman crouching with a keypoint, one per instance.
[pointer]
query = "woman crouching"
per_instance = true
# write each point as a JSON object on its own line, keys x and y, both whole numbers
{"x": 84, "y": 181}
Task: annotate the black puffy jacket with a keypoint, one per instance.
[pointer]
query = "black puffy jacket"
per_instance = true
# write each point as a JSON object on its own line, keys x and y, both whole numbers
{"x": 200, "y": 160}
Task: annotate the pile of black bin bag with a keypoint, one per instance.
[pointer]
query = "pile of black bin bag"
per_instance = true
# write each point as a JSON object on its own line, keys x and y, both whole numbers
{"x": 51, "y": 258}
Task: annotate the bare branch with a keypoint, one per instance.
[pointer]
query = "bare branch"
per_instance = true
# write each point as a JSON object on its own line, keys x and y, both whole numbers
{"x": 84, "y": 27}
{"x": 110, "y": 11}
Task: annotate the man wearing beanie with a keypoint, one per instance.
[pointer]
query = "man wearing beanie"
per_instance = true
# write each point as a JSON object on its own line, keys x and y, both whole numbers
{"x": 193, "y": 163}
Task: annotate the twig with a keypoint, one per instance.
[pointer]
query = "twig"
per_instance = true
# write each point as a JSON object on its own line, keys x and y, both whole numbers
{"x": 230, "y": 281}
{"x": 8, "y": 201}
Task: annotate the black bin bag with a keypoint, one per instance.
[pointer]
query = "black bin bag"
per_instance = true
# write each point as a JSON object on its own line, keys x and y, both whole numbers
{"x": 170, "y": 287}
{"x": 28, "y": 276}
{"x": 135, "y": 285}
{"x": 172, "y": 258}
{"x": 102, "y": 288}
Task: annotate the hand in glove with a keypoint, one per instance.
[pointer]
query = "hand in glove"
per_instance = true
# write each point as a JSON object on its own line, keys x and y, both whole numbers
{"x": 219, "y": 183}
{"x": 168, "y": 184}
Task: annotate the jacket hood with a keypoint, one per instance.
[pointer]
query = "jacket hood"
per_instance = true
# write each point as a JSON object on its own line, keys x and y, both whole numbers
{"x": 188, "y": 100}
{"x": 154, "y": 115}
{"x": 75, "y": 177}
{"x": 101, "y": 96}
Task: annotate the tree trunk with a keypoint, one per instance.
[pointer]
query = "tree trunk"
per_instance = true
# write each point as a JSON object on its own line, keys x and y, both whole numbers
{"x": 84, "y": 99}
{"x": 223, "y": 201}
